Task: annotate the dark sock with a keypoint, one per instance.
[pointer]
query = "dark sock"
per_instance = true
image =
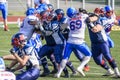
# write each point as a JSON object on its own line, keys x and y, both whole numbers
{"x": 113, "y": 64}
{"x": 69, "y": 64}
{"x": 45, "y": 64}
{"x": 105, "y": 66}
{"x": 65, "y": 71}
{"x": 54, "y": 63}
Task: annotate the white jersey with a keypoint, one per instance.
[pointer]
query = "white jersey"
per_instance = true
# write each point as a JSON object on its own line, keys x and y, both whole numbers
{"x": 108, "y": 23}
{"x": 5, "y": 75}
{"x": 33, "y": 55}
{"x": 77, "y": 29}
{"x": 26, "y": 28}
{"x": 3, "y": 1}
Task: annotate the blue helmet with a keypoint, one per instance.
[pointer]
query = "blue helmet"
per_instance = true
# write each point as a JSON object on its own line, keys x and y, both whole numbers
{"x": 44, "y": 14}
{"x": 30, "y": 11}
{"x": 50, "y": 6}
{"x": 59, "y": 12}
{"x": 43, "y": 7}
{"x": 71, "y": 12}
{"x": 107, "y": 8}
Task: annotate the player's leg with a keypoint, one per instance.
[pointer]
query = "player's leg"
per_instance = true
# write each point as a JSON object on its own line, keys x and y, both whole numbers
{"x": 110, "y": 42}
{"x": 80, "y": 57}
{"x": 99, "y": 59}
{"x": 30, "y": 74}
{"x": 4, "y": 15}
{"x": 43, "y": 52}
{"x": 109, "y": 58}
{"x": 66, "y": 56}
{"x": 70, "y": 65}
{"x": 46, "y": 70}
{"x": 52, "y": 59}
{"x": 83, "y": 48}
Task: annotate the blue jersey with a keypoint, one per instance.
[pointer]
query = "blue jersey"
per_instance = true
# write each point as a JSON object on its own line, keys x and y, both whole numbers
{"x": 63, "y": 20}
{"x": 98, "y": 37}
{"x": 55, "y": 37}
{"x": 36, "y": 41}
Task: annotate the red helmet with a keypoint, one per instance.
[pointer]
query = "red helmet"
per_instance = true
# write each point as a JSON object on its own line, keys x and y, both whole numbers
{"x": 18, "y": 39}
{"x": 97, "y": 10}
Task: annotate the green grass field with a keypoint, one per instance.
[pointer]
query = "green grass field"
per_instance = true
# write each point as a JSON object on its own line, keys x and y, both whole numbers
{"x": 95, "y": 72}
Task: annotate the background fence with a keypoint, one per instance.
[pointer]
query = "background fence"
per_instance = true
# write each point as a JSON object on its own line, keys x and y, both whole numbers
{"x": 20, "y": 5}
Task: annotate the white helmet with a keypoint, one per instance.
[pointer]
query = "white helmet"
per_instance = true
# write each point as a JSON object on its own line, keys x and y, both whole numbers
{"x": 2, "y": 65}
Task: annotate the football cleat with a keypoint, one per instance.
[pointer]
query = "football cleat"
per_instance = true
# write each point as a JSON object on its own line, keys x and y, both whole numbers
{"x": 80, "y": 71}
{"x": 45, "y": 73}
{"x": 57, "y": 75}
{"x": 87, "y": 68}
{"x": 117, "y": 73}
{"x": 53, "y": 71}
{"x": 74, "y": 73}
{"x": 109, "y": 73}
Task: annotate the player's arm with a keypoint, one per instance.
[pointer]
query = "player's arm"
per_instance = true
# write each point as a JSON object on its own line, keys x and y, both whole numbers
{"x": 117, "y": 22}
{"x": 97, "y": 28}
{"x": 33, "y": 22}
{"x": 91, "y": 22}
{"x": 9, "y": 57}
{"x": 22, "y": 61}
{"x": 12, "y": 64}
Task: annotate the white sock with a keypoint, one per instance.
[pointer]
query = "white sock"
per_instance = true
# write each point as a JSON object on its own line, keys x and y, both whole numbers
{"x": 62, "y": 66}
{"x": 84, "y": 62}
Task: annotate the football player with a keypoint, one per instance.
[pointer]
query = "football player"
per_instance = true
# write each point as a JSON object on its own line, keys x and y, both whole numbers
{"x": 75, "y": 41}
{"x": 23, "y": 54}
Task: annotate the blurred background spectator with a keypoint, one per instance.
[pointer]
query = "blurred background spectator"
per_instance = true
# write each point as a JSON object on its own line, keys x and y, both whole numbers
{"x": 3, "y": 8}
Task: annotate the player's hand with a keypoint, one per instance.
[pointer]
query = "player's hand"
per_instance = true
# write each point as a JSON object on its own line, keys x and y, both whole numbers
{"x": 8, "y": 69}
{"x": 94, "y": 18}
{"x": 42, "y": 37}
{"x": 12, "y": 51}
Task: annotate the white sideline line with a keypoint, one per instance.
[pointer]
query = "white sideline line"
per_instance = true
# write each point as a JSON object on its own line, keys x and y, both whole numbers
{"x": 4, "y": 51}
{"x": 95, "y": 67}
{"x": 96, "y": 73}
{"x": 10, "y": 22}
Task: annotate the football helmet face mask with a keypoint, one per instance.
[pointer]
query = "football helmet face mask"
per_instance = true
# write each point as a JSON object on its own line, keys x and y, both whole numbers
{"x": 51, "y": 16}
{"x": 51, "y": 8}
{"x": 60, "y": 13}
{"x": 44, "y": 14}
{"x": 71, "y": 12}
{"x": 18, "y": 40}
{"x": 108, "y": 11}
